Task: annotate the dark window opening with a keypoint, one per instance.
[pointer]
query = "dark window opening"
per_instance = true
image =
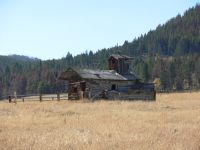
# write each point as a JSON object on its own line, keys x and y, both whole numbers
{"x": 113, "y": 61}
{"x": 83, "y": 86}
{"x": 137, "y": 81}
{"x": 113, "y": 87}
{"x": 75, "y": 89}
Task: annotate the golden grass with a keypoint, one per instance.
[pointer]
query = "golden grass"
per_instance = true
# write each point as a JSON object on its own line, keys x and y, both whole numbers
{"x": 172, "y": 122}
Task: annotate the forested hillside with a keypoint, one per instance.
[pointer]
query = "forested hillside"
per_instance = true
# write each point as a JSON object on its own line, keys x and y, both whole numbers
{"x": 170, "y": 54}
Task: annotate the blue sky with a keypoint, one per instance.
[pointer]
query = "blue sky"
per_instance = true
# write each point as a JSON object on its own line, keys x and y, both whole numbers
{"x": 50, "y": 28}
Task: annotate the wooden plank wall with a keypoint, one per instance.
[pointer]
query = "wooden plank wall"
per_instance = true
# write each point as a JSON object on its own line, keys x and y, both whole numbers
{"x": 123, "y": 91}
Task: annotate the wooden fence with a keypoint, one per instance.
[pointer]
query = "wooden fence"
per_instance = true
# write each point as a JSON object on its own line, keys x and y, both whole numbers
{"x": 36, "y": 97}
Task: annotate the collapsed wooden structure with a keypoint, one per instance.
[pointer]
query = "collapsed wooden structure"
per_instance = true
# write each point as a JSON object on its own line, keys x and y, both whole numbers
{"x": 116, "y": 83}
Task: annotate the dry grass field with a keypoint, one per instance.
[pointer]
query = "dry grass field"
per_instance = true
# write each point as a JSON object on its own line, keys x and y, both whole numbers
{"x": 170, "y": 123}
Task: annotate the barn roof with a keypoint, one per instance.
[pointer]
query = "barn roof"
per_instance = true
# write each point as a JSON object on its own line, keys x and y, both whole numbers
{"x": 96, "y": 75}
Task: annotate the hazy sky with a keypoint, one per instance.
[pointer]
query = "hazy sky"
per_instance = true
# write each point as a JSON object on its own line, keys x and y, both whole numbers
{"x": 50, "y": 28}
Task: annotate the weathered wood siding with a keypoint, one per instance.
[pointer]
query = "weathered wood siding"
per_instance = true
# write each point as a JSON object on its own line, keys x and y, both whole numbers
{"x": 124, "y": 90}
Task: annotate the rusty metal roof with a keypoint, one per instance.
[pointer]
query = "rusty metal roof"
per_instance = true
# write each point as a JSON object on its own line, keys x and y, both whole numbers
{"x": 96, "y": 75}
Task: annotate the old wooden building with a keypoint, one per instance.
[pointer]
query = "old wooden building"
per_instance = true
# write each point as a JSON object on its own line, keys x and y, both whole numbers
{"x": 116, "y": 83}
{"x": 120, "y": 63}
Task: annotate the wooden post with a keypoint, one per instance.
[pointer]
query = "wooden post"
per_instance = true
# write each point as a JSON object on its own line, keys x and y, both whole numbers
{"x": 58, "y": 96}
{"x": 89, "y": 94}
{"x": 40, "y": 97}
{"x": 9, "y": 99}
{"x": 81, "y": 95}
{"x": 15, "y": 97}
{"x": 154, "y": 95}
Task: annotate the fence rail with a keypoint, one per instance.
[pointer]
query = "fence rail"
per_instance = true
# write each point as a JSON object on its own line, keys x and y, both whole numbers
{"x": 35, "y": 97}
